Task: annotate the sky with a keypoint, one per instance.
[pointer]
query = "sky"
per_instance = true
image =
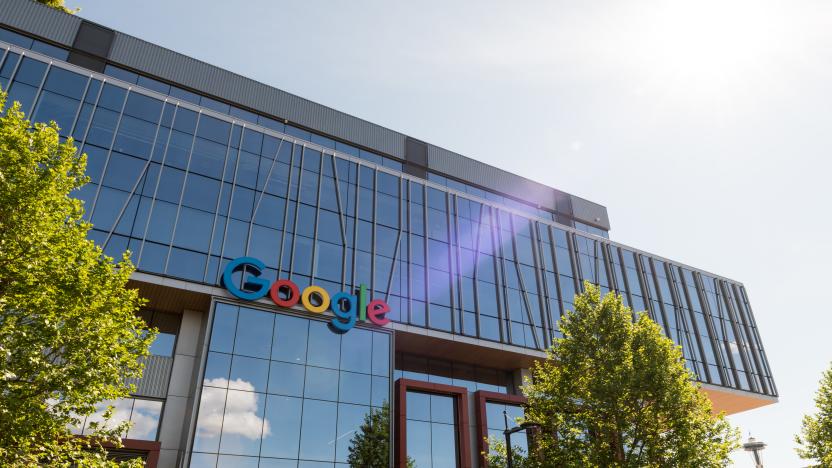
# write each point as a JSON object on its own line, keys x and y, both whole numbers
{"x": 704, "y": 127}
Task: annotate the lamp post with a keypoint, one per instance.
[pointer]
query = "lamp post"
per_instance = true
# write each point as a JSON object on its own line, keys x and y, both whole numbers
{"x": 508, "y": 432}
{"x": 755, "y": 447}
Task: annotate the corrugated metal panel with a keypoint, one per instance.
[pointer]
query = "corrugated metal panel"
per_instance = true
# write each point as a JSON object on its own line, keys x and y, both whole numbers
{"x": 175, "y": 67}
{"x": 164, "y": 63}
{"x": 592, "y": 213}
{"x": 39, "y": 19}
{"x": 465, "y": 168}
{"x": 154, "y": 381}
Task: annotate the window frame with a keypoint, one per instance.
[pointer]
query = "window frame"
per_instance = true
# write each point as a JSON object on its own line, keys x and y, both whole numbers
{"x": 460, "y": 394}
{"x": 481, "y": 397}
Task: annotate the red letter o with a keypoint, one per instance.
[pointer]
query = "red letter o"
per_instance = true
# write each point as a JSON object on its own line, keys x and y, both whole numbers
{"x": 294, "y": 293}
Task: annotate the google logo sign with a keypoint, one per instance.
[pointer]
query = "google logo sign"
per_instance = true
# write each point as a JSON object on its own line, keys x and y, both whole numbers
{"x": 348, "y": 308}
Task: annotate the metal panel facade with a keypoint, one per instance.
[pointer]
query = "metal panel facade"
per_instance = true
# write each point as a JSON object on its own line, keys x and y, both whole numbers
{"x": 155, "y": 379}
{"x": 41, "y": 20}
{"x": 158, "y": 61}
{"x": 465, "y": 168}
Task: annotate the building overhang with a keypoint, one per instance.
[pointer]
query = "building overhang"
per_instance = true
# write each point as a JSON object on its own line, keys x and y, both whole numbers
{"x": 733, "y": 401}
{"x": 176, "y": 295}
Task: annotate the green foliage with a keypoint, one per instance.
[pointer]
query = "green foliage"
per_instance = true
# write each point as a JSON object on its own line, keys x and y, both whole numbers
{"x": 615, "y": 392}
{"x": 497, "y": 455}
{"x": 58, "y": 5}
{"x": 69, "y": 336}
{"x": 370, "y": 446}
{"x": 815, "y": 438}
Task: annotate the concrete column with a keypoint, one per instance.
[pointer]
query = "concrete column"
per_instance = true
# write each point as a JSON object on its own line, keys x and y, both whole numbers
{"x": 472, "y": 430}
{"x": 177, "y": 412}
{"x": 519, "y": 377}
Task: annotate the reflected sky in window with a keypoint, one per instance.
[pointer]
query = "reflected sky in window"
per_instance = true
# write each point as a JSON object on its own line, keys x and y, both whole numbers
{"x": 286, "y": 390}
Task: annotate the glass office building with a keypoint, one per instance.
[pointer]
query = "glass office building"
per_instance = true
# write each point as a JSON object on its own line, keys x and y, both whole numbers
{"x": 192, "y": 167}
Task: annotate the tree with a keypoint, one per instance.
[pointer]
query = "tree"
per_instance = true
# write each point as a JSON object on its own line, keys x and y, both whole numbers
{"x": 58, "y": 5}
{"x": 370, "y": 446}
{"x": 615, "y": 392}
{"x": 69, "y": 336}
{"x": 815, "y": 438}
{"x": 497, "y": 455}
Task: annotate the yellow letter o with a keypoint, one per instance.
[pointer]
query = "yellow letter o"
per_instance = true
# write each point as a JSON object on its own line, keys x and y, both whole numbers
{"x": 306, "y": 297}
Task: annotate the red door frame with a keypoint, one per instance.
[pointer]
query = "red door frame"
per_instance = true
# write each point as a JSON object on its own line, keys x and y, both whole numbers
{"x": 461, "y": 395}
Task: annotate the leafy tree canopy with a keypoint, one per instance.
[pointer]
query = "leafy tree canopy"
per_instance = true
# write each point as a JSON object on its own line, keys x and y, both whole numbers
{"x": 615, "y": 392}
{"x": 815, "y": 438}
{"x": 370, "y": 446}
{"x": 69, "y": 336}
{"x": 58, "y": 5}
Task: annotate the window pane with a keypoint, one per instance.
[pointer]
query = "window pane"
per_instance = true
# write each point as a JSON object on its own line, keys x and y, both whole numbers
{"x": 61, "y": 109}
{"x": 318, "y": 430}
{"x": 249, "y": 374}
{"x": 145, "y": 419}
{"x": 290, "y": 335}
{"x": 286, "y": 378}
{"x": 225, "y": 324}
{"x": 418, "y": 442}
{"x": 356, "y": 347}
{"x": 354, "y": 388}
{"x": 243, "y": 424}
{"x": 324, "y": 346}
{"x": 321, "y": 384}
{"x": 254, "y": 333}
{"x": 443, "y": 445}
{"x": 283, "y": 416}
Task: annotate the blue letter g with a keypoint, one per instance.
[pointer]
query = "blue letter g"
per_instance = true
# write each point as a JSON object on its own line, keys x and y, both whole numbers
{"x": 257, "y": 287}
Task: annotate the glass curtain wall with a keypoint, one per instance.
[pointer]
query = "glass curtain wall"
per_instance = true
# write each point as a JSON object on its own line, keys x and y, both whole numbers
{"x": 496, "y": 424}
{"x": 281, "y": 390}
{"x": 186, "y": 189}
{"x": 432, "y": 435}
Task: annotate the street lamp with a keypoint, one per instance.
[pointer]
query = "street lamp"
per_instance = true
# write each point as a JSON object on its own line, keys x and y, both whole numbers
{"x": 755, "y": 447}
{"x": 508, "y": 432}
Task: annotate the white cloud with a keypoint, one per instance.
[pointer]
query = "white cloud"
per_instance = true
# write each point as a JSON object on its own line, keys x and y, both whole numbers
{"x": 239, "y": 416}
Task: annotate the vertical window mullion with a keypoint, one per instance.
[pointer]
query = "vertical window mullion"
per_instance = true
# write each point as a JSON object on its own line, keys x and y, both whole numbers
{"x": 81, "y": 105}
{"x": 496, "y": 229}
{"x": 219, "y": 198}
{"x": 712, "y": 332}
{"x": 13, "y": 74}
{"x": 684, "y": 298}
{"x": 409, "y": 296}
{"x": 265, "y": 184}
{"x": 556, "y": 271}
{"x": 286, "y": 202}
{"x": 451, "y": 221}
{"x": 397, "y": 250}
{"x": 109, "y": 149}
{"x": 625, "y": 279}
{"x": 314, "y": 269}
{"x": 750, "y": 337}
{"x": 426, "y": 224}
{"x": 374, "y": 237}
{"x": 341, "y": 220}
{"x": 40, "y": 89}
{"x": 521, "y": 281}
{"x": 475, "y": 274}
{"x": 156, "y": 186}
{"x": 184, "y": 181}
{"x": 738, "y": 336}
{"x": 297, "y": 214}
{"x": 458, "y": 258}
{"x": 138, "y": 179}
{"x": 89, "y": 123}
{"x": 542, "y": 288}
